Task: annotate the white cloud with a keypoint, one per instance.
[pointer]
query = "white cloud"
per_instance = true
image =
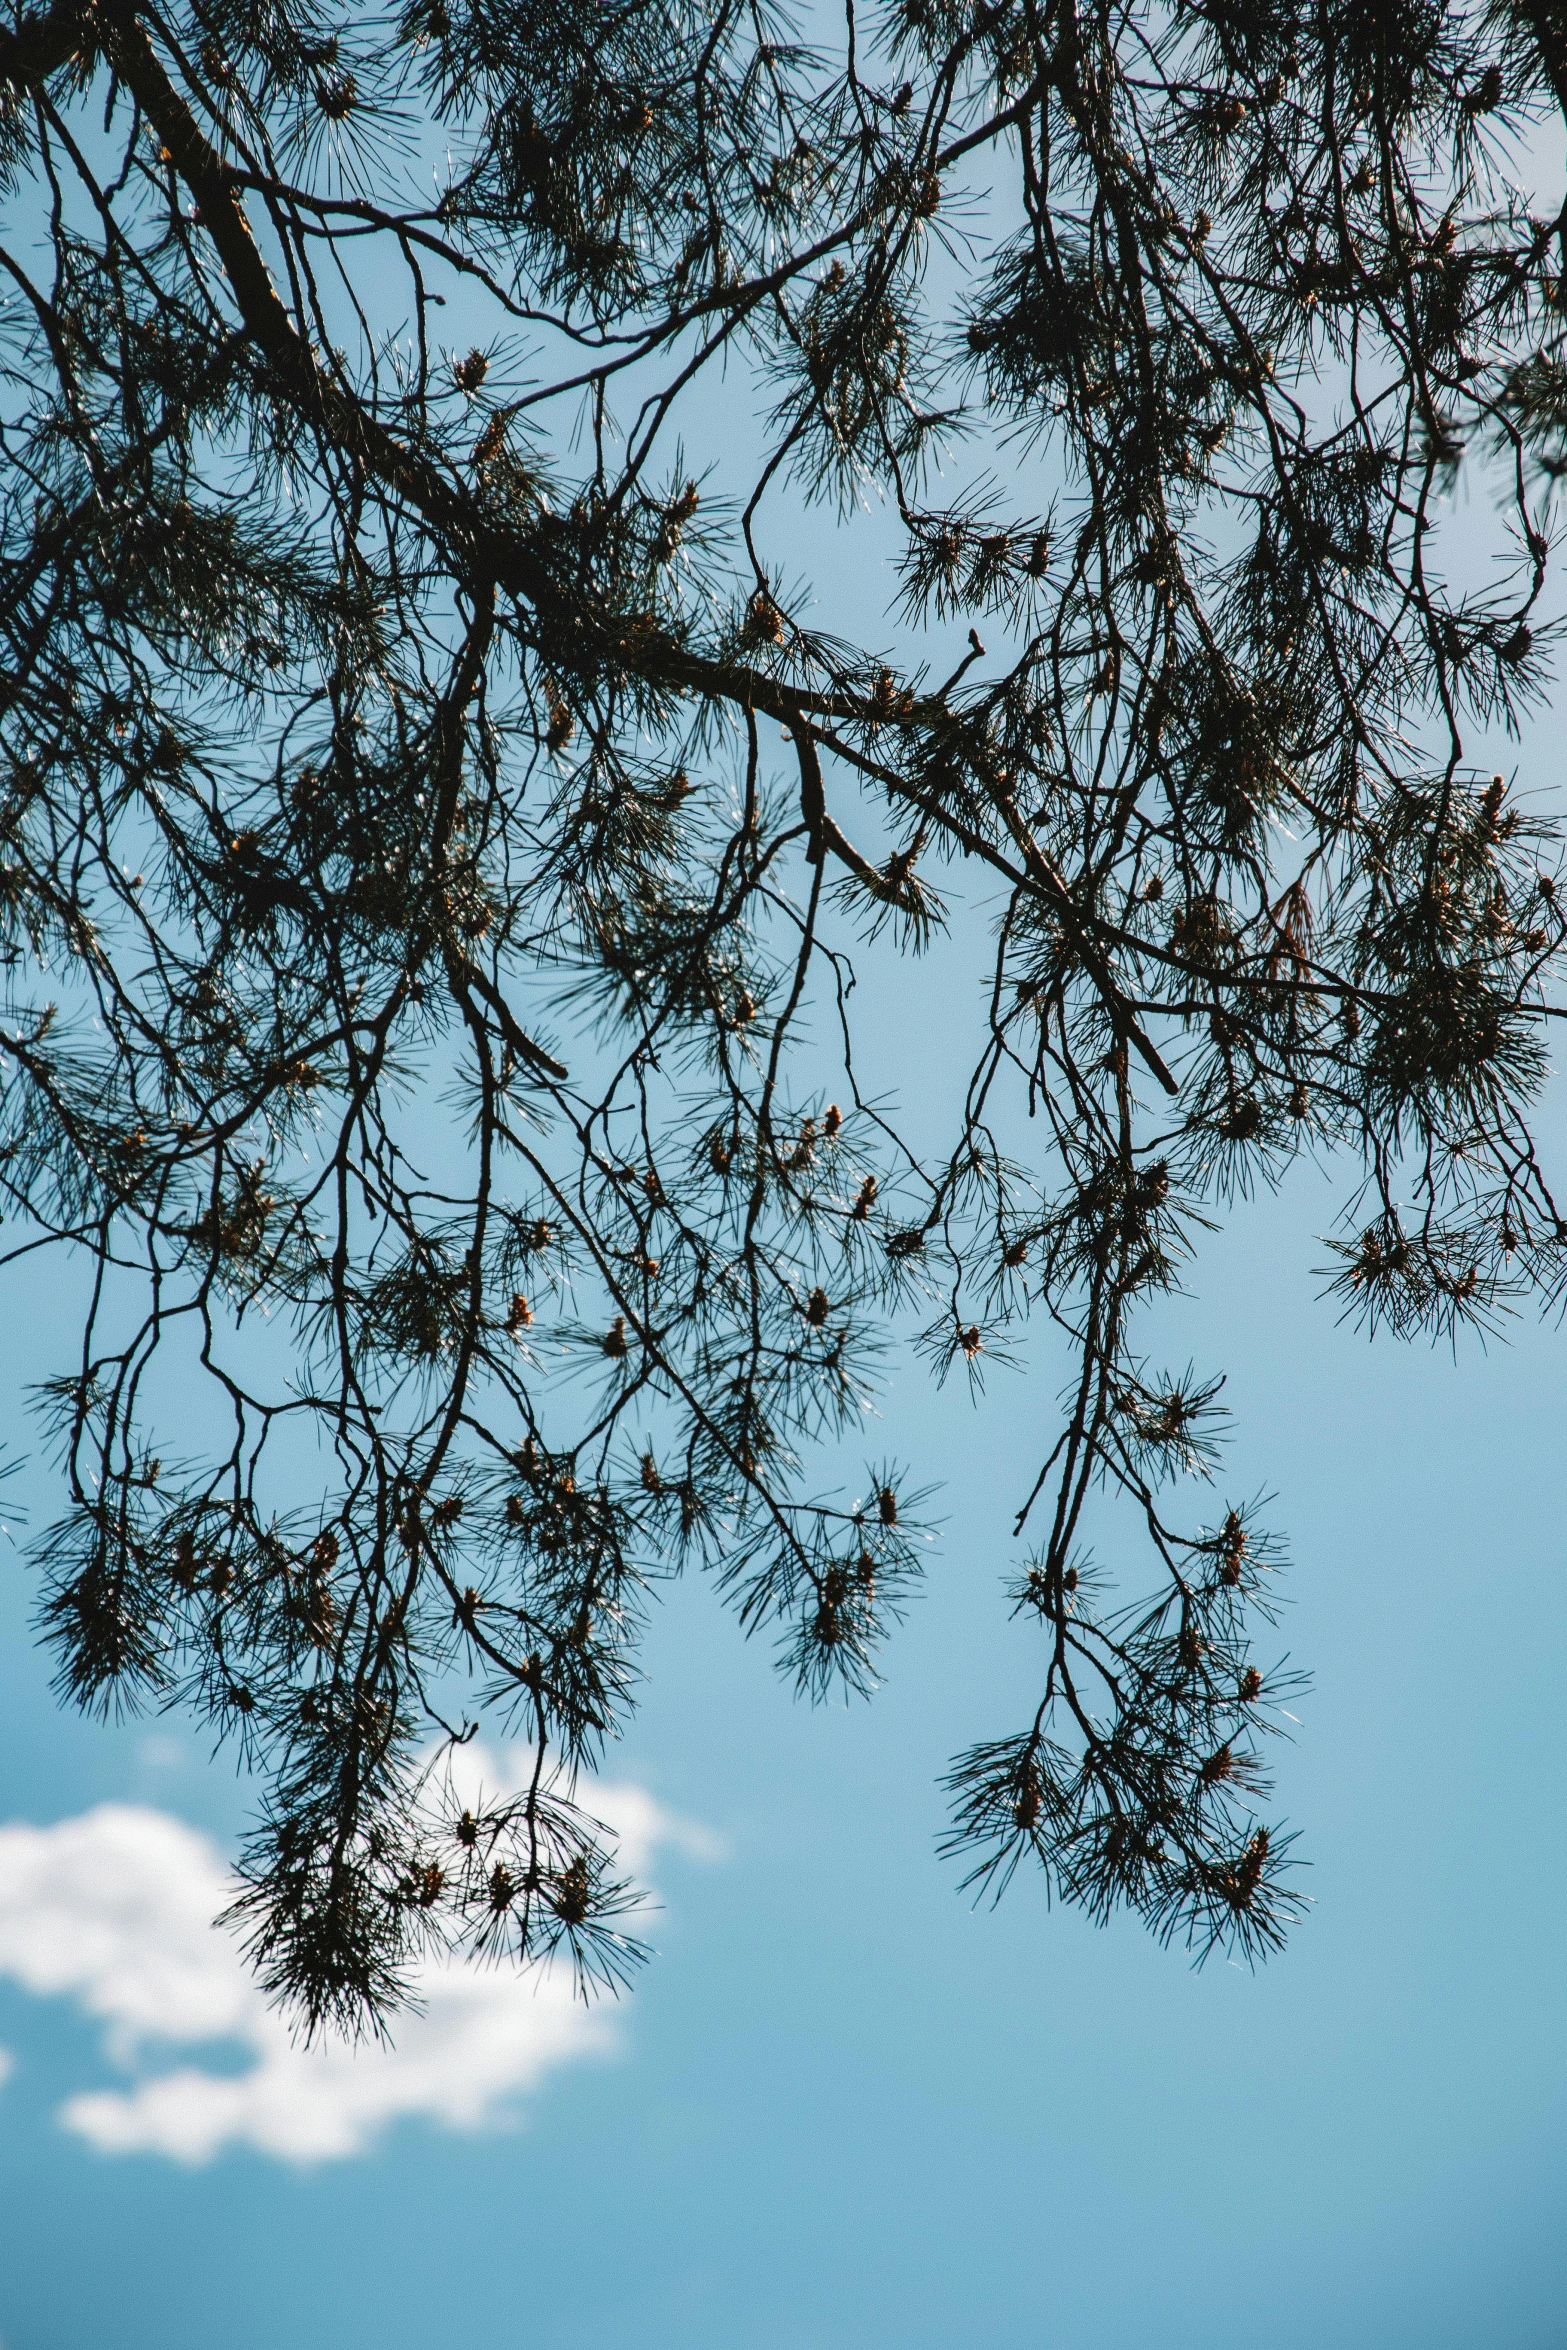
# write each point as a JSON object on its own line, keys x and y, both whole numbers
{"x": 113, "y": 1909}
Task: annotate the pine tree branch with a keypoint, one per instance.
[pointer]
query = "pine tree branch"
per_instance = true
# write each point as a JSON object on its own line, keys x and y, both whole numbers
{"x": 454, "y": 514}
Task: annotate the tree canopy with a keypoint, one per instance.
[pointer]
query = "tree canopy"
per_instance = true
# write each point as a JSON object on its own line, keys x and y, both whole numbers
{"x": 439, "y": 834}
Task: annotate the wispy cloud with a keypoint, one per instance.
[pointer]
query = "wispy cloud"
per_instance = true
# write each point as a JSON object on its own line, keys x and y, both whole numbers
{"x": 113, "y": 1910}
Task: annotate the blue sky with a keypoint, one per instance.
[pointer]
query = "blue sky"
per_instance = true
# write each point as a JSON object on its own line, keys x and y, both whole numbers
{"x": 844, "y": 2111}
{"x": 845, "y": 2108}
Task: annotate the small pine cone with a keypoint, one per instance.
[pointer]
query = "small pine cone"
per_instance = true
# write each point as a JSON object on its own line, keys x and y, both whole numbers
{"x": 338, "y": 98}
{"x": 573, "y": 1896}
{"x": 764, "y": 623}
{"x": 1248, "y": 1874}
{"x": 883, "y": 702}
{"x": 490, "y": 442}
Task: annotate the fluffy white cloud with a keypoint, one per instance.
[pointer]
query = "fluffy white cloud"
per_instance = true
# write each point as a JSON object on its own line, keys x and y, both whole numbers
{"x": 114, "y": 1910}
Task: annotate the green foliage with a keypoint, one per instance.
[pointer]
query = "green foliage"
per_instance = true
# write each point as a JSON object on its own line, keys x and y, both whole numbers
{"x": 431, "y": 855}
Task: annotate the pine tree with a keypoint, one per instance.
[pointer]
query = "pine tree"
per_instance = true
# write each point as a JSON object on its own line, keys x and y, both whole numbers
{"x": 437, "y": 845}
